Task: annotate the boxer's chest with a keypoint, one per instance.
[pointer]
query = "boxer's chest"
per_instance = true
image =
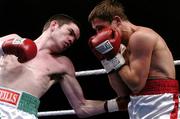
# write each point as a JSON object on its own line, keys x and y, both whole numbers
{"x": 45, "y": 64}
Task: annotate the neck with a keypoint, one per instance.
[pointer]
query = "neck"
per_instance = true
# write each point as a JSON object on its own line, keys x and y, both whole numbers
{"x": 41, "y": 41}
{"x": 128, "y": 29}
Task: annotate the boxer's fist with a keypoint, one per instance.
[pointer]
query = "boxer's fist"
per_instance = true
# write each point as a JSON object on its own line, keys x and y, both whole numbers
{"x": 106, "y": 46}
{"x": 24, "y": 48}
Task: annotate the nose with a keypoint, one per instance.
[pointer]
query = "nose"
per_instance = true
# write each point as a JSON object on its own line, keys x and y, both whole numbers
{"x": 69, "y": 41}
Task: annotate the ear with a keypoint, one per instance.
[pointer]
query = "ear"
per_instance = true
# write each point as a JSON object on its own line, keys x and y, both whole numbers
{"x": 53, "y": 25}
{"x": 116, "y": 20}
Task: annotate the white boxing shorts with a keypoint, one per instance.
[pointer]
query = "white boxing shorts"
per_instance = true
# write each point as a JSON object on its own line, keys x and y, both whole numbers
{"x": 158, "y": 100}
{"x": 17, "y": 104}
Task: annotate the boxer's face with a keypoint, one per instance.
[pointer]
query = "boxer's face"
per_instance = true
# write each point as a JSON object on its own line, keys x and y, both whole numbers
{"x": 65, "y": 35}
{"x": 98, "y": 24}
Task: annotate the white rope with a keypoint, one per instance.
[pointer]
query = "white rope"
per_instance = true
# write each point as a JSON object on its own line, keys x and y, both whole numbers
{"x": 80, "y": 73}
{"x": 177, "y": 62}
{"x": 91, "y": 72}
{"x": 103, "y": 71}
{"x": 56, "y": 113}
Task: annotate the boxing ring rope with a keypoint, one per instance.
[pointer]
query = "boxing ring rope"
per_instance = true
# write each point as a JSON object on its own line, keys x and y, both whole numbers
{"x": 80, "y": 73}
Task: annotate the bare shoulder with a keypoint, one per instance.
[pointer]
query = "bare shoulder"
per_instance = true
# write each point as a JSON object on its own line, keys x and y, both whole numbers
{"x": 143, "y": 38}
{"x": 66, "y": 61}
{"x": 144, "y": 33}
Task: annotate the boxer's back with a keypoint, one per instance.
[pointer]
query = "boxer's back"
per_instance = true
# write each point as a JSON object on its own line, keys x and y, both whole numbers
{"x": 161, "y": 60}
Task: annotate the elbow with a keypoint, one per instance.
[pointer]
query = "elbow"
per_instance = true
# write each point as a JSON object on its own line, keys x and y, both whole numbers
{"x": 136, "y": 90}
{"x": 84, "y": 110}
{"x": 81, "y": 114}
{"x": 81, "y": 110}
{"x": 137, "y": 86}
{"x": 89, "y": 108}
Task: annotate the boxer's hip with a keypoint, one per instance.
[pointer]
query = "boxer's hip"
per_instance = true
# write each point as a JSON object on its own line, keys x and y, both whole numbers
{"x": 159, "y": 86}
{"x": 19, "y": 100}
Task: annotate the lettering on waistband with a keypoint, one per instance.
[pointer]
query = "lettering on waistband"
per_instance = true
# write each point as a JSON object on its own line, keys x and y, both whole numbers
{"x": 19, "y": 100}
{"x": 9, "y": 96}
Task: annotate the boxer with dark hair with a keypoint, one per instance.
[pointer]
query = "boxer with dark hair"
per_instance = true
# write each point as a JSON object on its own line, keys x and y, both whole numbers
{"x": 29, "y": 68}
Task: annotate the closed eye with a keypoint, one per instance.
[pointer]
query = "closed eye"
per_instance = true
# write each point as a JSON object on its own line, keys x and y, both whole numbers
{"x": 72, "y": 33}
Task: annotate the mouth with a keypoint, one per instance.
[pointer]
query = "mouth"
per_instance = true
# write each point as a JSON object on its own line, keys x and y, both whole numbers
{"x": 66, "y": 44}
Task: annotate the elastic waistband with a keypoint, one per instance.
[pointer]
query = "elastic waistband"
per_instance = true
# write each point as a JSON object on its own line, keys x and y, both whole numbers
{"x": 20, "y": 100}
{"x": 159, "y": 86}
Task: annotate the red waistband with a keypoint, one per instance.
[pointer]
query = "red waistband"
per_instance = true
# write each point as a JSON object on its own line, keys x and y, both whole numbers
{"x": 159, "y": 86}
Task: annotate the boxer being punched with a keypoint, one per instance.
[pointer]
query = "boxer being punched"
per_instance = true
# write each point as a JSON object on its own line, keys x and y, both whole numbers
{"x": 148, "y": 73}
{"x": 25, "y": 75}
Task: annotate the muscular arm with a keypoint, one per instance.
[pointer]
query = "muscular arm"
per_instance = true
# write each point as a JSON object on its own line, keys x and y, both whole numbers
{"x": 136, "y": 72}
{"x": 75, "y": 96}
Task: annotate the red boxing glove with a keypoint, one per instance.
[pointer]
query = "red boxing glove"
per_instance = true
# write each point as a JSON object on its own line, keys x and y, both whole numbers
{"x": 24, "y": 48}
{"x": 106, "y": 46}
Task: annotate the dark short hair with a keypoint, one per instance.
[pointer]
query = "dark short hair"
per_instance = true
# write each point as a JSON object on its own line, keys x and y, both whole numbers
{"x": 62, "y": 19}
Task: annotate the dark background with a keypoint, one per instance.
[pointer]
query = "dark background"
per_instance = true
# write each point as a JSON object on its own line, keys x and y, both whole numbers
{"x": 27, "y": 17}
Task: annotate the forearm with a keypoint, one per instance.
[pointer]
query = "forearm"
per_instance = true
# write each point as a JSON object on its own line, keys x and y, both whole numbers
{"x": 118, "y": 85}
{"x": 93, "y": 107}
{"x": 90, "y": 108}
{"x": 131, "y": 78}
